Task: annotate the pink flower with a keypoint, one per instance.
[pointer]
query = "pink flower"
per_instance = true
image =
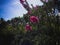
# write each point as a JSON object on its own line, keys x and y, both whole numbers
{"x": 34, "y": 19}
{"x": 28, "y": 27}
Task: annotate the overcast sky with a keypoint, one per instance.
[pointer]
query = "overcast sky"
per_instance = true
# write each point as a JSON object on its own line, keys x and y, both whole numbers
{"x": 13, "y": 8}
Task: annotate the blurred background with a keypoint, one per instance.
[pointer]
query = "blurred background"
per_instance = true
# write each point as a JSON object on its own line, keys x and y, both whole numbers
{"x": 13, "y": 8}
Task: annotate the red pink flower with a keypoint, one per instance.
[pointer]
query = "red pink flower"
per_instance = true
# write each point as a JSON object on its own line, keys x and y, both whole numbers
{"x": 34, "y": 19}
{"x": 28, "y": 27}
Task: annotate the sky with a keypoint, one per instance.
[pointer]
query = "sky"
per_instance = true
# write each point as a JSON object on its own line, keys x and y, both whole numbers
{"x": 13, "y": 8}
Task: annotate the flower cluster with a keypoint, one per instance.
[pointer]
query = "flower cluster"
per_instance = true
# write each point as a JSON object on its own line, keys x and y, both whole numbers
{"x": 34, "y": 19}
{"x": 28, "y": 27}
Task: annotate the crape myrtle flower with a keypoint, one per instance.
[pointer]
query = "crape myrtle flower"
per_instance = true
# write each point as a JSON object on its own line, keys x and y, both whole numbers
{"x": 34, "y": 19}
{"x": 28, "y": 27}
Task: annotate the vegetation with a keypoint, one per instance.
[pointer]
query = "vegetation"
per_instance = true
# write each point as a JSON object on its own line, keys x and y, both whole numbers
{"x": 45, "y": 32}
